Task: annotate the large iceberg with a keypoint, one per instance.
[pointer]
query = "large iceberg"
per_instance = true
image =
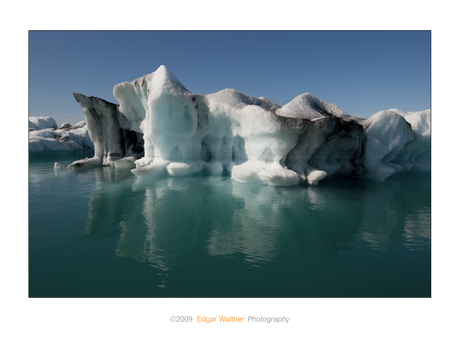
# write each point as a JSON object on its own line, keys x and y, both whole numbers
{"x": 159, "y": 128}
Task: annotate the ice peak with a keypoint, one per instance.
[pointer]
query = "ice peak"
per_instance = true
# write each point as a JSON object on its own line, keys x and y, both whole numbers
{"x": 165, "y": 73}
{"x": 163, "y": 69}
{"x": 165, "y": 79}
{"x": 310, "y": 107}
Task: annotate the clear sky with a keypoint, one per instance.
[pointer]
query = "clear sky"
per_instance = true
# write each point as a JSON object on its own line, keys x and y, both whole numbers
{"x": 362, "y": 72}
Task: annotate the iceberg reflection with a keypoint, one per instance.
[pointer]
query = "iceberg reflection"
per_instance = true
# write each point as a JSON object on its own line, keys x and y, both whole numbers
{"x": 164, "y": 221}
{"x": 399, "y": 213}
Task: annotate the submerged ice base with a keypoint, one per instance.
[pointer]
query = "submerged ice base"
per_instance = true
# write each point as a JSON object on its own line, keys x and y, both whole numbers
{"x": 159, "y": 127}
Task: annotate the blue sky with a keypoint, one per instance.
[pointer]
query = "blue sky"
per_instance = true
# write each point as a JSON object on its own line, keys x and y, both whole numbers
{"x": 360, "y": 71}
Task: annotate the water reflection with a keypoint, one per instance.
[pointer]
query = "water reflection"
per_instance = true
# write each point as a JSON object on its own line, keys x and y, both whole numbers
{"x": 397, "y": 213}
{"x": 162, "y": 222}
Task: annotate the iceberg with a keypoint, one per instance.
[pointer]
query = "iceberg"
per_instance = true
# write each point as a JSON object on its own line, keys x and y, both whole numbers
{"x": 161, "y": 128}
{"x": 46, "y": 137}
{"x": 41, "y": 122}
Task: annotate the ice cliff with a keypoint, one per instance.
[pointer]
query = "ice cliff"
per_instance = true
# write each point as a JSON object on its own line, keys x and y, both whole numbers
{"x": 159, "y": 127}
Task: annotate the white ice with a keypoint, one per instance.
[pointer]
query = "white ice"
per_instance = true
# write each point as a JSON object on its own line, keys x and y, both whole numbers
{"x": 46, "y": 137}
{"x": 42, "y": 122}
{"x": 253, "y": 139}
{"x": 396, "y": 142}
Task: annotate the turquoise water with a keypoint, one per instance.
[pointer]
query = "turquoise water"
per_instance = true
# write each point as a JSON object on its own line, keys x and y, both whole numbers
{"x": 104, "y": 233}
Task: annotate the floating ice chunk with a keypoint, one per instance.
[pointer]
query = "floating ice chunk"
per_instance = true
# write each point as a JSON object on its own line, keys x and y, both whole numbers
{"x": 67, "y": 138}
{"x": 276, "y": 175}
{"x": 86, "y": 163}
{"x": 272, "y": 174}
{"x": 37, "y": 144}
{"x": 58, "y": 166}
{"x": 184, "y": 169}
{"x": 315, "y": 176}
{"x": 42, "y": 122}
{"x": 154, "y": 169}
{"x": 124, "y": 163}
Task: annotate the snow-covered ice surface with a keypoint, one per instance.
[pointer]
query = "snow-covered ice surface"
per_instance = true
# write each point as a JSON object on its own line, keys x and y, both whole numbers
{"x": 46, "y": 137}
{"x": 41, "y": 123}
{"x": 159, "y": 128}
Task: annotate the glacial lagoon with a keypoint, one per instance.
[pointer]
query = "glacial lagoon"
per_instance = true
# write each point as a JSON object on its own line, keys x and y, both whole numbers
{"x": 103, "y": 232}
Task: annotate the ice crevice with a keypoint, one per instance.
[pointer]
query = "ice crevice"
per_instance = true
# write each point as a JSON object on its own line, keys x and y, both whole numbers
{"x": 161, "y": 128}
